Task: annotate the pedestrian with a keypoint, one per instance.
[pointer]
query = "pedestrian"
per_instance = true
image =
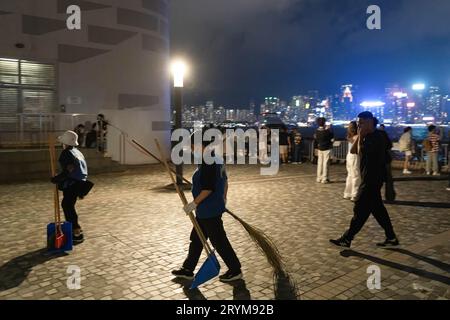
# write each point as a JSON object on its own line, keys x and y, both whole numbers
{"x": 431, "y": 146}
{"x": 91, "y": 137}
{"x": 74, "y": 172}
{"x": 352, "y": 163}
{"x": 406, "y": 146}
{"x": 297, "y": 143}
{"x": 371, "y": 146}
{"x": 263, "y": 147}
{"x": 285, "y": 145}
{"x": 80, "y": 130}
{"x": 390, "y": 193}
{"x": 209, "y": 189}
{"x": 102, "y": 130}
{"x": 324, "y": 138}
{"x": 448, "y": 188}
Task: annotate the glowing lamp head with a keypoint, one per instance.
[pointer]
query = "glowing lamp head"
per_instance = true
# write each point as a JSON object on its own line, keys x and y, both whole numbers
{"x": 179, "y": 70}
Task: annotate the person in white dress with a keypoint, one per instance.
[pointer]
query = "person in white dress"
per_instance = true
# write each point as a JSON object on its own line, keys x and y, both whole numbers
{"x": 352, "y": 162}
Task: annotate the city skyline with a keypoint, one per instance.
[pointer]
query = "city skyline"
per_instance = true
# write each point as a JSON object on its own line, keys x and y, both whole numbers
{"x": 397, "y": 104}
{"x": 368, "y": 93}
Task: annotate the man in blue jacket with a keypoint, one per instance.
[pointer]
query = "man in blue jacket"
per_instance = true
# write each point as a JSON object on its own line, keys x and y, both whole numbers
{"x": 209, "y": 189}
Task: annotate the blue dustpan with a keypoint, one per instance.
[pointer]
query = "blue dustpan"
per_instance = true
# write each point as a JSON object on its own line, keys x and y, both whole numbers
{"x": 210, "y": 269}
{"x": 67, "y": 231}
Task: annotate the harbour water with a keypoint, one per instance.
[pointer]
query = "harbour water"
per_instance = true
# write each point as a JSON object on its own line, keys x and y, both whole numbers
{"x": 419, "y": 132}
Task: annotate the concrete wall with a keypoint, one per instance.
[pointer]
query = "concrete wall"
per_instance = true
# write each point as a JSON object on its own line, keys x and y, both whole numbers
{"x": 117, "y": 61}
{"x": 141, "y": 126}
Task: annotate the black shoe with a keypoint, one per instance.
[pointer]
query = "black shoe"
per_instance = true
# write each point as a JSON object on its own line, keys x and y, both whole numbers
{"x": 341, "y": 242}
{"x": 183, "y": 273}
{"x": 231, "y": 276}
{"x": 389, "y": 243}
{"x": 78, "y": 238}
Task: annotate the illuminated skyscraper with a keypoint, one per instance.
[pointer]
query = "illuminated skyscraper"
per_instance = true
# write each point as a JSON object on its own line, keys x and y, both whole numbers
{"x": 433, "y": 103}
{"x": 348, "y": 102}
{"x": 271, "y": 104}
{"x": 396, "y": 108}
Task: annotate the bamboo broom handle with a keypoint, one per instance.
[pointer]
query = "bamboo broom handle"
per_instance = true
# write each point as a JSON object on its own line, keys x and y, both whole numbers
{"x": 52, "y": 152}
{"x": 146, "y": 151}
{"x": 184, "y": 200}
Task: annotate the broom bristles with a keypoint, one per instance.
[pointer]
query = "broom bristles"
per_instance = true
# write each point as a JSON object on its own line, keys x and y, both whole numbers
{"x": 284, "y": 286}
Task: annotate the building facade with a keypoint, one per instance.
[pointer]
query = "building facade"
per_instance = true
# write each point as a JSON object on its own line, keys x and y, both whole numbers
{"x": 116, "y": 63}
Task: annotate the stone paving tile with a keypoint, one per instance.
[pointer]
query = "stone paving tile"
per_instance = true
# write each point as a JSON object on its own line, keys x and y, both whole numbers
{"x": 136, "y": 233}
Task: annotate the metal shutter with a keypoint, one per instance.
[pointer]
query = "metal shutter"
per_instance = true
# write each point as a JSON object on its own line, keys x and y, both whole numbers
{"x": 37, "y": 74}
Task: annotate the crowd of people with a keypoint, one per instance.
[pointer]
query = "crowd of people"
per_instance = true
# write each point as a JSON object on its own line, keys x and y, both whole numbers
{"x": 95, "y": 137}
{"x": 431, "y": 146}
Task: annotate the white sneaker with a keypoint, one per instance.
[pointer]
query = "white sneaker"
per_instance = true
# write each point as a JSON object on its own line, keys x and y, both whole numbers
{"x": 448, "y": 189}
{"x": 428, "y": 173}
{"x": 406, "y": 171}
{"x": 436, "y": 174}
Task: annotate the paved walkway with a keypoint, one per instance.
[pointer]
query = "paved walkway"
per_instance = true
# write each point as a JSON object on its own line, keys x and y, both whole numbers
{"x": 137, "y": 233}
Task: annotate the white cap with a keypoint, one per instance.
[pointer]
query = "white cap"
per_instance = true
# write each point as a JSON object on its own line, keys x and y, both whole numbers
{"x": 69, "y": 138}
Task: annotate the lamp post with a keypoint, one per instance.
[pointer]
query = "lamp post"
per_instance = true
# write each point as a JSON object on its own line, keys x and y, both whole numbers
{"x": 178, "y": 72}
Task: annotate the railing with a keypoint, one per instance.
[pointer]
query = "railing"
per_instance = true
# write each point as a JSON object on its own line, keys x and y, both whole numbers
{"x": 27, "y": 130}
{"x": 443, "y": 155}
{"x": 340, "y": 150}
{"x": 123, "y": 137}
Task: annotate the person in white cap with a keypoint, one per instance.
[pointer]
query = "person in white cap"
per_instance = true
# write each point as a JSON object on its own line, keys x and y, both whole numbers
{"x": 73, "y": 173}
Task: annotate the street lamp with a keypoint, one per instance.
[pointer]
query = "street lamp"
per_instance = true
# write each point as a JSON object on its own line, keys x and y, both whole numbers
{"x": 178, "y": 68}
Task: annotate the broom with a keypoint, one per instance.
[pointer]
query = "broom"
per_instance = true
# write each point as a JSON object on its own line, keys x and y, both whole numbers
{"x": 284, "y": 286}
{"x": 59, "y": 237}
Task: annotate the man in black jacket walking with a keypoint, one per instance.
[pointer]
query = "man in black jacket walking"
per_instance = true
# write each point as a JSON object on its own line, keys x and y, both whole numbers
{"x": 372, "y": 147}
{"x": 389, "y": 193}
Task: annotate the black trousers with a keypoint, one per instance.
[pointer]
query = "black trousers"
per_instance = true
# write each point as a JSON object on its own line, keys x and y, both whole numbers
{"x": 68, "y": 205}
{"x": 370, "y": 202}
{"x": 389, "y": 194}
{"x": 297, "y": 154}
{"x": 213, "y": 230}
{"x": 449, "y": 179}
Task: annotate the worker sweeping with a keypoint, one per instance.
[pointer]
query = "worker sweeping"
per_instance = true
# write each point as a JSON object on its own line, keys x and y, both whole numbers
{"x": 72, "y": 180}
{"x": 209, "y": 189}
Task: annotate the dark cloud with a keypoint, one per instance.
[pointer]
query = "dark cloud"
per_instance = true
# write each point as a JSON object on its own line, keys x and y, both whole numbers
{"x": 242, "y": 49}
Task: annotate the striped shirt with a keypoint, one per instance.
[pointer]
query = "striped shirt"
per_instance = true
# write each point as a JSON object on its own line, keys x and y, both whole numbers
{"x": 434, "y": 139}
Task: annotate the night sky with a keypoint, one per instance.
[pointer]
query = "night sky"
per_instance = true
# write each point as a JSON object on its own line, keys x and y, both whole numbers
{"x": 248, "y": 49}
